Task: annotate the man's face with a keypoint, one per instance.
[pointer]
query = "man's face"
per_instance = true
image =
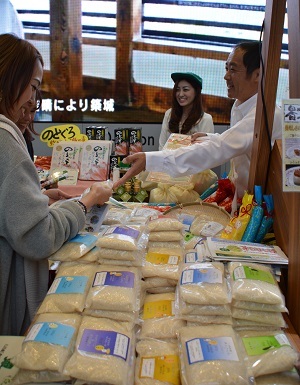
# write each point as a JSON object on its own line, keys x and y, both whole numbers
{"x": 240, "y": 85}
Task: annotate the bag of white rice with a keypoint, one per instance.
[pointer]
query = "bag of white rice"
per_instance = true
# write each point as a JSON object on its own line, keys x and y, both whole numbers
{"x": 268, "y": 352}
{"x": 248, "y": 305}
{"x": 212, "y": 354}
{"x": 76, "y": 247}
{"x": 254, "y": 282}
{"x": 165, "y": 223}
{"x": 162, "y": 263}
{"x": 115, "y": 288}
{"x": 157, "y": 363}
{"x": 158, "y": 317}
{"x": 130, "y": 238}
{"x": 69, "y": 289}
{"x": 105, "y": 351}
{"x": 49, "y": 342}
{"x": 269, "y": 318}
{"x": 38, "y": 376}
{"x": 203, "y": 284}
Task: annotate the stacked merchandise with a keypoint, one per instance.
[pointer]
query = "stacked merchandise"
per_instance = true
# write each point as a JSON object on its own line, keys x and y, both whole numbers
{"x": 154, "y": 318}
{"x": 202, "y": 294}
{"x": 257, "y": 299}
{"x": 88, "y": 160}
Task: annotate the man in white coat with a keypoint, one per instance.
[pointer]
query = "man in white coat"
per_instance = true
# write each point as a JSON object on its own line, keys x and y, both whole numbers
{"x": 242, "y": 78}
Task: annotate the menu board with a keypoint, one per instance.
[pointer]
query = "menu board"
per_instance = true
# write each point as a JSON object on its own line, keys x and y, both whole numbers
{"x": 291, "y": 145}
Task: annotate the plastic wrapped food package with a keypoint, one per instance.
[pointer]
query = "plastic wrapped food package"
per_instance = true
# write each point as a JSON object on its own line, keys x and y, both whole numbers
{"x": 208, "y": 319}
{"x": 268, "y": 352}
{"x": 69, "y": 289}
{"x": 76, "y": 247}
{"x": 212, "y": 354}
{"x": 125, "y": 316}
{"x": 120, "y": 255}
{"x": 157, "y": 363}
{"x": 203, "y": 284}
{"x": 165, "y": 224}
{"x": 269, "y": 318}
{"x": 116, "y": 215}
{"x": 162, "y": 263}
{"x": 38, "y": 376}
{"x": 130, "y": 238}
{"x": 248, "y": 305}
{"x": 104, "y": 350}
{"x": 166, "y": 236}
{"x": 49, "y": 342}
{"x": 165, "y": 245}
{"x": 115, "y": 288}
{"x": 254, "y": 283}
{"x": 158, "y": 318}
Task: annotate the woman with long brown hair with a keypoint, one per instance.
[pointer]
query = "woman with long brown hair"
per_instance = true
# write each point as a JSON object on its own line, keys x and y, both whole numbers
{"x": 186, "y": 115}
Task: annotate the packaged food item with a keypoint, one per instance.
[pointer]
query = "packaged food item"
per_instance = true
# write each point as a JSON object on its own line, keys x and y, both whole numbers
{"x": 254, "y": 224}
{"x": 49, "y": 342}
{"x": 212, "y": 354}
{"x": 105, "y": 349}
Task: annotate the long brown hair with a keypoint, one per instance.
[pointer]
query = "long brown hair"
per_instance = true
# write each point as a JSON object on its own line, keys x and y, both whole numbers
{"x": 195, "y": 114}
{"x": 17, "y": 60}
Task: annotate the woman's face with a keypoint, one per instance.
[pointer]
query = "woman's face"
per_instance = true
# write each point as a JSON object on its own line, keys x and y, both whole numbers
{"x": 29, "y": 93}
{"x": 28, "y": 116}
{"x": 185, "y": 93}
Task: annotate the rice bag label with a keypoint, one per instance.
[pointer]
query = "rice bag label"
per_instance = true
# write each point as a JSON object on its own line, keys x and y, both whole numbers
{"x": 259, "y": 345}
{"x": 68, "y": 285}
{"x": 161, "y": 368}
{"x": 210, "y": 349}
{"x": 85, "y": 239}
{"x": 162, "y": 259}
{"x": 246, "y": 272}
{"x": 205, "y": 274}
{"x": 158, "y": 309}
{"x": 191, "y": 257}
{"x": 114, "y": 278}
{"x": 51, "y": 333}
{"x": 129, "y": 231}
{"x": 187, "y": 221}
{"x": 104, "y": 342}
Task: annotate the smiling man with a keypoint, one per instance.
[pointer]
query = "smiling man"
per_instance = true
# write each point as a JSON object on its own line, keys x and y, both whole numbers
{"x": 242, "y": 80}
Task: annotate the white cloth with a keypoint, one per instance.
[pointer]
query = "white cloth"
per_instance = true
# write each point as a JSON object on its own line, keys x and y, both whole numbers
{"x": 234, "y": 143}
{"x": 204, "y": 125}
{"x": 10, "y": 22}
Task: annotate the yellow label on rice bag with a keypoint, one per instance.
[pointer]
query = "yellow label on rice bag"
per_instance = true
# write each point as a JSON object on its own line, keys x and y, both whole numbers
{"x": 162, "y": 258}
{"x": 161, "y": 368}
{"x": 158, "y": 309}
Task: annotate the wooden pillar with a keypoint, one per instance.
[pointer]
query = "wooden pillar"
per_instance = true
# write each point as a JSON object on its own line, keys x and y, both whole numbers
{"x": 65, "y": 54}
{"x": 293, "y": 291}
{"x": 128, "y": 28}
{"x": 271, "y": 50}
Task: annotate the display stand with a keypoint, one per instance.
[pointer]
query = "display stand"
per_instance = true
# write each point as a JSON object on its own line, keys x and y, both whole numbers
{"x": 287, "y": 205}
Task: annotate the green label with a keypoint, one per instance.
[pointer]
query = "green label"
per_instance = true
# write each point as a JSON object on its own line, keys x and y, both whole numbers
{"x": 246, "y": 272}
{"x": 256, "y": 346}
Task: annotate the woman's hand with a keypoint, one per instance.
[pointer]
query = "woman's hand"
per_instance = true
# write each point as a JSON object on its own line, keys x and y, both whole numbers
{"x": 138, "y": 164}
{"x": 55, "y": 194}
{"x": 99, "y": 193}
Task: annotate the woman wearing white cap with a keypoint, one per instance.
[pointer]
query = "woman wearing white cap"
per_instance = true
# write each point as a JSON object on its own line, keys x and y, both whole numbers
{"x": 186, "y": 115}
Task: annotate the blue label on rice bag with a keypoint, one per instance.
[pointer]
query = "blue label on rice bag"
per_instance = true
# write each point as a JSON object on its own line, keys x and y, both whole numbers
{"x": 210, "y": 349}
{"x": 129, "y": 231}
{"x": 203, "y": 274}
{"x": 68, "y": 285}
{"x": 114, "y": 278}
{"x": 85, "y": 239}
{"x": 104, "y": 342}
{"x": 51, "y": 333}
